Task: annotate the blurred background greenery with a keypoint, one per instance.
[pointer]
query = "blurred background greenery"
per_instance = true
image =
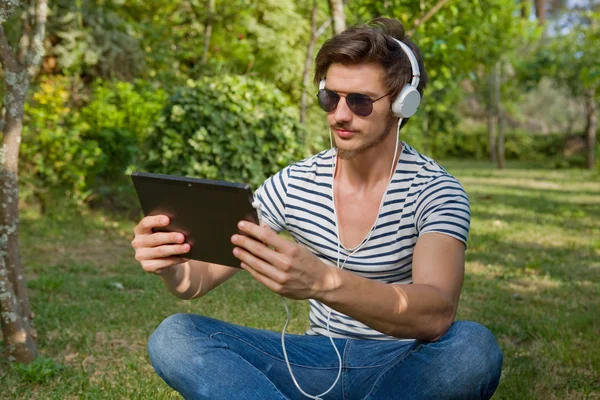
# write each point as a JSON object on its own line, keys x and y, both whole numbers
{"x": 214, "y": 89}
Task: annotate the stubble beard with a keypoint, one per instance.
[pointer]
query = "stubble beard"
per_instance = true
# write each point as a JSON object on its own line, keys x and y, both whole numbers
{"x": 351, "y": 154}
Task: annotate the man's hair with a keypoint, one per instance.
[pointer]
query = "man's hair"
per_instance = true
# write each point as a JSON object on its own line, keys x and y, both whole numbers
{"x": 372, "y": 43}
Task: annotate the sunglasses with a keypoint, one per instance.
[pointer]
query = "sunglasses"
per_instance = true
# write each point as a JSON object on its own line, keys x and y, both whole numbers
{"x": 360, "y": 104}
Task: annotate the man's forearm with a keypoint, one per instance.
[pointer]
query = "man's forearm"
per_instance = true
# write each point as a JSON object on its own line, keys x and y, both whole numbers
{"x": 184, "y": 280}
{"x": 413, "y": 311}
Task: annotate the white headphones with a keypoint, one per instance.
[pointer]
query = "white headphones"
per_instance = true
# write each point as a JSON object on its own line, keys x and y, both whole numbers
{"x": 408, "y": 100}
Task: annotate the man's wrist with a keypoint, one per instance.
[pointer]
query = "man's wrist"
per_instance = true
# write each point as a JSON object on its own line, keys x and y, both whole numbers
{"x": 331, "y": 281}
{"x": 170, "y": 271}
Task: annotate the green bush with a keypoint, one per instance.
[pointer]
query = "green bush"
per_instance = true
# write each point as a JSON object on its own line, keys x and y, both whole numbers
{"x": 54, "y": 155}
{"x": 518, "y": 145}
{"x": 80, "y": 152}
{"x": 230, "y": 128}
{"x": 119, "y": 117}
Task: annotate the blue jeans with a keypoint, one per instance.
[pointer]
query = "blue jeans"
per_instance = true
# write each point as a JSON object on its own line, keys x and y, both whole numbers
{"x": 204, "y": 358}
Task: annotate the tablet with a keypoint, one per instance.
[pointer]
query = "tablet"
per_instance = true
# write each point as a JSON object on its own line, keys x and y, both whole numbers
{"x": 205, "y": 211}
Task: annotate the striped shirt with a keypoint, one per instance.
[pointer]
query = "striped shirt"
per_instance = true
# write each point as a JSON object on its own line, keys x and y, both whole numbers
{"x": 421, "y": 198}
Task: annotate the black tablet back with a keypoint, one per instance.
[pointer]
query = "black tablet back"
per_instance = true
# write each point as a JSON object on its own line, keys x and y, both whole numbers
{"x": 205, "y": 211}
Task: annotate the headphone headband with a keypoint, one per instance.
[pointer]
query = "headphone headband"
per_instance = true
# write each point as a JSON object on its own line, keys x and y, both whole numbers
{"x": 416, "y": 74}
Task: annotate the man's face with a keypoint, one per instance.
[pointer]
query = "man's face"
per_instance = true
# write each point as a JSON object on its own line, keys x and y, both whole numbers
{"x": 354, "y": 134}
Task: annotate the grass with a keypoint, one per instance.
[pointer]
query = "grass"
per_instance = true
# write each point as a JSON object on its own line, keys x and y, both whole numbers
{"x": 533, "y": 278}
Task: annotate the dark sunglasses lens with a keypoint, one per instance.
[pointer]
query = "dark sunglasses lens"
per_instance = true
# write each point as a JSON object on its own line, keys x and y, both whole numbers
{"x": 328, "y": 100}
{"x": 360, "y": 104}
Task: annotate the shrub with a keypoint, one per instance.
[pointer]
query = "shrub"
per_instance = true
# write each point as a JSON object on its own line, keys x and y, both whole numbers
{"x": 119, "y": 117}
{"x": 518, "y": 145}
{"x": 76, "y": 152}
{"x": 230, "y": 128}
{"x": 54, "y": 155}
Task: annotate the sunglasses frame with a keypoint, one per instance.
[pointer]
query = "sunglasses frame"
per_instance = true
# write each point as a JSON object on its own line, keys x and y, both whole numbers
{"x": 347, "y": 103}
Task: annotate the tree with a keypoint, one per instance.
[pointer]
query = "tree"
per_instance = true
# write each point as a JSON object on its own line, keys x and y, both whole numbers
{"x": 208, "y": 30}
{"x": 540, "y": 11}
{"x": 19, "y": 69}
{"x": 336, "y": 7}
{"x": 455, "y": 50}
{"x": 314, "y": 36}
{"x": 576, "y": 55}
{"x": 571, "y": 61}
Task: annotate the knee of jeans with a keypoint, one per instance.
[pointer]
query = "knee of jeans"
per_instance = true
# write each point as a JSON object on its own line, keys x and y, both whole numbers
{"x": 479, "y": 353}
{"x": 162, "y": 346}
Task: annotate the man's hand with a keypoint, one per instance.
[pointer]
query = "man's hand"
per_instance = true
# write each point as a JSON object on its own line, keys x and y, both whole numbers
{"x": 286, "y": 268}
{"x": 158, "y": 252}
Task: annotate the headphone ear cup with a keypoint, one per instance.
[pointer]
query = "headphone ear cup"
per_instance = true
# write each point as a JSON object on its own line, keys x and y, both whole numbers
{"x": 407, "y": 102}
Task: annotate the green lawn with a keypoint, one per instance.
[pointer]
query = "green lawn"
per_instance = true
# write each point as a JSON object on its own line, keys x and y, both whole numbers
{"x": 533, "y": 277}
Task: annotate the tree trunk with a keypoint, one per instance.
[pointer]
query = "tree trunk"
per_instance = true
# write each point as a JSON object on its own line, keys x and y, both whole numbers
{"x": 591, "y": 111}
{"x": 540, "y": 11}
{"x": 336, "y": 8}
{"x": 500, "y": 149}
{"x": 208, "y": 30}
{"x": 6, "y": 9}
{"x": 16, "y": 312}
{"x": 19, "y": 343}
{"x": 501, "y": 119}
{"x": 492, "y": 111}
{"x": 16, "y": 318}
{"x": 426, "y": 133}
{"x": 492, "y": 123}
{"x": 314, "y": 35}
{"x": 525, "y": 9}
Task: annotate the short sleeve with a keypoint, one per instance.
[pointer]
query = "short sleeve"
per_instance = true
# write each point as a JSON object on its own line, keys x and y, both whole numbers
{"x": 443, "y": 207}
{"x": 272, "y": 196}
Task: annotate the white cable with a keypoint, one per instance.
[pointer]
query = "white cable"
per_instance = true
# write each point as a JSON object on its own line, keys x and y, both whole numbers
{"x": 334, "y": 165}
{"x": 256, "y": 204}
{"x": 319, "y": 396}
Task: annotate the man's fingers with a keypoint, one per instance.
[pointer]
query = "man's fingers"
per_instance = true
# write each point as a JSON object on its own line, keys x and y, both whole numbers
{"x": 265, "y": 280}
{"x": 157, "y": 239}
{"x": 147, "y": 223}
{"x": 161, "y": 238}
{"x": 266, "y": 235}
{"x": 161, "y": 252}
{"x": 260, "y": 250}
{"x": 261, "y": 266}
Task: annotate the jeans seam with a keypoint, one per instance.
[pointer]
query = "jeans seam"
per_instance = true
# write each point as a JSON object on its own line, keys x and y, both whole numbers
{"x": 347, "y": 347}
{"x": 398, "y": 363}
{"x": 267, "y": 354}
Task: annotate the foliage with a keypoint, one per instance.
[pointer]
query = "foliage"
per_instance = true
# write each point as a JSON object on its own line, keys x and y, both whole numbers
{"x": 230, "y": 128}
{"x": 574, "y": 58}
{"x": 95, "y": 38}
{"x": 570, "y": 59}
{"x": 40, "y": 370}
{"x": 74, "y": 150}
{"x": 454, "y": 50}
{"x": 260, "y": 38}
{"x": 519, "y": 145}
{"x": 54, "y": 154}
{"x": 119, "y": 117}
{"x": 93, "y": 125}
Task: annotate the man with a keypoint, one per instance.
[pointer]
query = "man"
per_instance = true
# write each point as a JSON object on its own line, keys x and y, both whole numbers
{"x": 379, "y": 252}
